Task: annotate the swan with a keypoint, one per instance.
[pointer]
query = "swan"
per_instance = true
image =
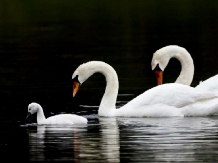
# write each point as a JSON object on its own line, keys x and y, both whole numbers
{"x": 57, "y": 119}
{"x": 165, "y": 100}
{"x": 161, "y": 58}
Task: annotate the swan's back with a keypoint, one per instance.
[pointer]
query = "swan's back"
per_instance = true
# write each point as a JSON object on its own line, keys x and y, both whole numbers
{"x": 209, "y": 85}
{"x": 173, "y": 94}
{"x": 65, "y": 119}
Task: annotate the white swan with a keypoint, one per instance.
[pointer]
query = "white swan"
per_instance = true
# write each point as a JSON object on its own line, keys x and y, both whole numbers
{"x": 57, "y": 119}
{"x": 161, "y": 101}
{"x": 161, "y": 58}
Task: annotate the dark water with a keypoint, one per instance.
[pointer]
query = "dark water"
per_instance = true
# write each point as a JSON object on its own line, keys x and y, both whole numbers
{"x": 42, "y": 43}
{"x": 118, "y": 140}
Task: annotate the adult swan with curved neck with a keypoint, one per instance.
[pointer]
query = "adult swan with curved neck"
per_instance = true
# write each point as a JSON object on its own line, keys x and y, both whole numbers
{"x": 161, "y": 101}
{"x": 161, "y": 58}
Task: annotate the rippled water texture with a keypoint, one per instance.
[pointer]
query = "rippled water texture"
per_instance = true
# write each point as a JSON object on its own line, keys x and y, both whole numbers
{"x": 127, "y": 140}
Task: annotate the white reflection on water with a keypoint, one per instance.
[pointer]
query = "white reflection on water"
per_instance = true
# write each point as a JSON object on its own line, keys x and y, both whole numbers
{"x": 110, "y": 135}
{"x": 55, "y": 143}
{"x": 128, "y": 140}
{"x": 60, "y": 143}
{"x": 170, "y": 139}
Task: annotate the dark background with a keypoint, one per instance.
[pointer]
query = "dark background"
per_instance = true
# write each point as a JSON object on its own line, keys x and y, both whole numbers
{"x": 43, "y": 42}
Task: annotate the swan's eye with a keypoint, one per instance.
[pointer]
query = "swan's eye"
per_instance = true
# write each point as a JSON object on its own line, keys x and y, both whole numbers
{"x": 29, "y": 109}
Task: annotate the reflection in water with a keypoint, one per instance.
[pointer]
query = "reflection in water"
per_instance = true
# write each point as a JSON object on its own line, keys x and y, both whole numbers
{"x": 75, "y": 143}
{"x": 169, "y": 139}
{"x": 110, "y": 135}
{"x": 128, "y": 140}
{"x": 55, "y": 143}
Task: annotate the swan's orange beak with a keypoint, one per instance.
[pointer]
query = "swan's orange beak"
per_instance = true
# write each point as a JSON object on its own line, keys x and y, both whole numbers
{"x": 159, "y": 77}
{"x": 76, "y": 86}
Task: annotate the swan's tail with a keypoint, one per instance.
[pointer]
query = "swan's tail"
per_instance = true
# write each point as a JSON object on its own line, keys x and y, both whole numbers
{"x": 210, "y": 85}
{"x": 201, "y": 108}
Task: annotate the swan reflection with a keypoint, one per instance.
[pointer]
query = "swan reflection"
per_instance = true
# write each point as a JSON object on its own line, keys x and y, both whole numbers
{"x": 169, "y": 139}
{"x": 55, "y": 143}
{"x": 101, "y": 143}
{"x": 110, "y": 143}
{"x": 95, "y": 142}
{"x": 128, "y": 140}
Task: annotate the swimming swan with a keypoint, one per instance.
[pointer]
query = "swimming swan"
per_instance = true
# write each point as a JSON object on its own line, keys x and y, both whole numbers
{"x": 57, "y": 119}
{"x": 161, "y": 101}
{"x": 161, "y": 58}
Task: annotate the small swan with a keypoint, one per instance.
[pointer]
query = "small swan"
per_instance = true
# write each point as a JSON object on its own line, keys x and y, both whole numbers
{"x": 161, "y": 101}
{"x": 57, "y": 119}
{"x": 161, "y": 58}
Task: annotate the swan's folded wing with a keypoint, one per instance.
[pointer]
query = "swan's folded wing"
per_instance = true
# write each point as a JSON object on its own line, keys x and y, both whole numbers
{"x": 210, "y": 85}
{"x": 66, "y": 119}
{"x": 177, "y": 95}
{"x": 153, "y": 110}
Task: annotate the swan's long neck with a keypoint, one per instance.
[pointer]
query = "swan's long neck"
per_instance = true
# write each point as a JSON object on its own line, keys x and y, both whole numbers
{"x": 40, "y": 115}
{"x": 187, "y": 71}
{"x": 107, "y": 105}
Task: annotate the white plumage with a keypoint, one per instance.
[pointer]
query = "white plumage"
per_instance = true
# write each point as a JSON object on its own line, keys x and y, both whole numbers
{"x": 211, "y": 85}
{"x": 162, "y": 56}
{"x": 162, "y": 101}
{"x": 57, "y": 119}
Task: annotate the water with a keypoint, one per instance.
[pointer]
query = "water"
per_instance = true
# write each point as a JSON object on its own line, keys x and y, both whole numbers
{"x": 42, "y": 43}
{"x": 119, "y": 140}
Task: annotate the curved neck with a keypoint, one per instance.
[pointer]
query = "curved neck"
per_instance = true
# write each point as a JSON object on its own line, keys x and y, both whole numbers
{"x": 40, "y": 115}
{"x": 107, "y": 105}
{"x": 187, "y": 70}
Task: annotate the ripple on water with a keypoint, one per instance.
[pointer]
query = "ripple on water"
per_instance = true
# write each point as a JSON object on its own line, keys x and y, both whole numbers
{"x": 108, "y": 139}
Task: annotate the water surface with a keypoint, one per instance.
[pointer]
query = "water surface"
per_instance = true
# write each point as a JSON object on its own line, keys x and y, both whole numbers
{"x": 127, "y": 140}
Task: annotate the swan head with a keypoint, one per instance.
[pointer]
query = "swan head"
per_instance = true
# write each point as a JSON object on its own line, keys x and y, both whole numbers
{"x": 85, "y": 70}
{"x": 81, "y": 74}
{"x": 160, "y": 58}
{"x": 32, "y": 108}
{"x": 158, "y": 64}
